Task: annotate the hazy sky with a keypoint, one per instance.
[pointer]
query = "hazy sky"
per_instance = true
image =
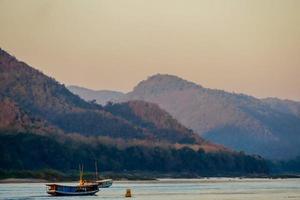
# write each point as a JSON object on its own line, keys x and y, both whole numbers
{"x": 243, "y": 46}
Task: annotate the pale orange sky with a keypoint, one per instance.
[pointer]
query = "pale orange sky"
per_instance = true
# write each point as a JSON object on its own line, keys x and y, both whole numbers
{"x": 250, "y": 46}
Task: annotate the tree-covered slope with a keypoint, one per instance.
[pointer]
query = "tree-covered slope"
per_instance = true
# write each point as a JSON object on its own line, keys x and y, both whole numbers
{"x": 25, "y": 151}
{"x": 150, "y": 116}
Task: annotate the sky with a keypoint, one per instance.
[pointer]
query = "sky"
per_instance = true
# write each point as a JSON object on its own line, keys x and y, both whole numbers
{"x": 242, "y": 46}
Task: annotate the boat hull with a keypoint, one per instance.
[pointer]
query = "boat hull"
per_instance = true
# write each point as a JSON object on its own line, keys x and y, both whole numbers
{"x": 60, "y": 193}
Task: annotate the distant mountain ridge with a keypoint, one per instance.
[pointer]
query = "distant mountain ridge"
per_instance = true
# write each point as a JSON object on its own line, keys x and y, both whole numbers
{"x": 100, "y": 96}
{"x": 268, "y": 127}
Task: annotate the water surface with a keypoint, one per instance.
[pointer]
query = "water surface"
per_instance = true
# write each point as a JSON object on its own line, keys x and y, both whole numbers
{"x": 185, "y": 189}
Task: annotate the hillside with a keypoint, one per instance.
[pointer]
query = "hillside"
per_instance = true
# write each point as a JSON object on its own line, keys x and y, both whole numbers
{"x": 150, "y": 116}
{"x": 12, "y": 119}
{"x": 100, "y": 96}
{"x": 44, "y": 98}
{"x": 237, "y": 121}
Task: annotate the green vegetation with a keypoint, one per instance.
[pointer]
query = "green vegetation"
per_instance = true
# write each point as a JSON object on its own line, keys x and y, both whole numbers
{"x": 25, "y": 151}
{"x": 286, "y": 167}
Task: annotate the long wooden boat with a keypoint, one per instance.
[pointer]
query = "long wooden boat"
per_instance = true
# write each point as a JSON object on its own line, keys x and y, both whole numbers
{"x": 66, "y": 190}
{"x": 84, "y": 188}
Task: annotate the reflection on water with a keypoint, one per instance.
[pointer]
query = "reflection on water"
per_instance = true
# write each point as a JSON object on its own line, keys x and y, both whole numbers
{"x": 221, "y": 188}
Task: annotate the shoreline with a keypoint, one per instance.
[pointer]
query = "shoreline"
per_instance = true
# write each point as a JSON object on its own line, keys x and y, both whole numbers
{"x": 22, "y": 180}
{"x": 158, "y": 179}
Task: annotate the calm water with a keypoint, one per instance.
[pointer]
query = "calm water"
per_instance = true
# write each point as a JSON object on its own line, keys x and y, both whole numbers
{"x": 186, "y": 189}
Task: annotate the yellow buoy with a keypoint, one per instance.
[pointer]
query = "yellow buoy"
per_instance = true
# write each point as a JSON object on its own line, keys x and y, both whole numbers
{"x": 128, "y": 193}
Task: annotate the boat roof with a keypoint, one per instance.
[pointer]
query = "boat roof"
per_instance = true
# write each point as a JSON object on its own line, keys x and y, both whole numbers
{"x": 103, "y": 180}
{"x": 86, "y": 185}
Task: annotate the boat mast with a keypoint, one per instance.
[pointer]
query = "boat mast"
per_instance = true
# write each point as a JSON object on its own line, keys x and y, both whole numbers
{"x": 81, "y": 182}
{"x": 96, "y": 168}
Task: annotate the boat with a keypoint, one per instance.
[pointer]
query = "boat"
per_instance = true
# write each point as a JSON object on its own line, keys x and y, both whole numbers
{"x": 104, "y": 183}
{"x": 66, "y": 190}
{"x": 84, "y": 188}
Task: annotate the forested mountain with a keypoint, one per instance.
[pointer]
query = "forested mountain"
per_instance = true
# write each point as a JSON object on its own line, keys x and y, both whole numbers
{"x": 269, "y": 127}
{"x": 43, "y": 125}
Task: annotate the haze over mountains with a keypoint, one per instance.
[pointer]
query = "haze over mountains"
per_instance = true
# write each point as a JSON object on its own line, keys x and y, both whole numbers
{"x": 268, "y": 127}
{"x": 45, "y": 126}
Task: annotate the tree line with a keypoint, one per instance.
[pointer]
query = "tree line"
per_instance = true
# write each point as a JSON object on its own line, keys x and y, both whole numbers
{"x": 25, "y": 151}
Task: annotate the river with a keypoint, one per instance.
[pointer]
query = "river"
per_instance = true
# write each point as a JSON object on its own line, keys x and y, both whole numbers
{"x": 177, "y": 189}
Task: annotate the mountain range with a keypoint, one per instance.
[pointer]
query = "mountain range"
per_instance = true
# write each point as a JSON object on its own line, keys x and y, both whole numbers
{"x": 269, "y": 127}
{"x": 45, "y": 126}
{"x": 41, "y": 98}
